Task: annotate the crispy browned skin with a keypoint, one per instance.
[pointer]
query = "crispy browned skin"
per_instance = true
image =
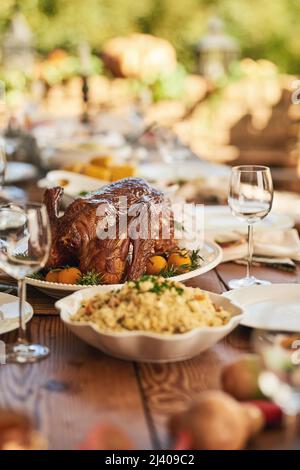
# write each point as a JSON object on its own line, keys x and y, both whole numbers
{"x": 75, "y": 235}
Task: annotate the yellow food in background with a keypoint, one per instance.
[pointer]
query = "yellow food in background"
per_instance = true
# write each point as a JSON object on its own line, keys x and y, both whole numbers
{"x": 156, "y": 264}
{"x": 103, "y": 161}
{"x": 69, "y": 275}
{"x": 103, "y": 168}
{"x": 121, "y": 171}
{"x": 180, "y": 260}
{"x": 75, "y": 167}
{"x": 97, "y": 172}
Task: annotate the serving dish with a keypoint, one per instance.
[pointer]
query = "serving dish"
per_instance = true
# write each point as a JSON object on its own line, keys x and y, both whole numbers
{"x": 271, "y": 307}
{"x": 211, "y": 253}
{"x": 144, "y": 346}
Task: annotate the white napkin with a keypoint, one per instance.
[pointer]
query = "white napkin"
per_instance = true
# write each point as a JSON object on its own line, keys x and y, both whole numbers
{"x": 279, "y": 244}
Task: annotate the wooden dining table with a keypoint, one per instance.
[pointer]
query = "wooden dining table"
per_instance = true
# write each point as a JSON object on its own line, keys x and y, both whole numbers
{"x": 78, "y": 387}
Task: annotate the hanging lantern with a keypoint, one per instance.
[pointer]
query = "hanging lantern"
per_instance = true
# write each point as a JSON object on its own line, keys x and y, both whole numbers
{"x": 216, "y": 50}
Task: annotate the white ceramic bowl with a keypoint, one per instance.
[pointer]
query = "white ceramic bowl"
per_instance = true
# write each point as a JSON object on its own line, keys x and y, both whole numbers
{"x": 143, "y": 346}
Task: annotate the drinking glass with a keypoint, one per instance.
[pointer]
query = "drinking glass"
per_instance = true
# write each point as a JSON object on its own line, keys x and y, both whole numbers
{"x": 250, "y": 199}
{"x": 2, "y": 164}
{"x": 24, "y": 249}
{"x": 280, "y": 379}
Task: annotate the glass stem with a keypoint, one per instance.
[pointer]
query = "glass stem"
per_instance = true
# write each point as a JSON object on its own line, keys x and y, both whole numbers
{"x": 22, "y": 324}
{"x": 250, "y": 249}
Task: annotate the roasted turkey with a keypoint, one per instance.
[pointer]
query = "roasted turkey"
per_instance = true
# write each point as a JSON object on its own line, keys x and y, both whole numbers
{"x": 111, "y": 231}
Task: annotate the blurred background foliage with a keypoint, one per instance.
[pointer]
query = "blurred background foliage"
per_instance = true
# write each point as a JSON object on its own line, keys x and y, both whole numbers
{"x": 264, "y": 28}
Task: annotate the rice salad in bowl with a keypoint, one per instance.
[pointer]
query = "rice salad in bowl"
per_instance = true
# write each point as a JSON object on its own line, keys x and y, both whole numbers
{"x": 152, "y": 304}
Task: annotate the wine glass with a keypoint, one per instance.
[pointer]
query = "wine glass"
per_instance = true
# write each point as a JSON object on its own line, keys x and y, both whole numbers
{"x": 280, "y": 378}
{"x": 2, "y": 164}
{"x": 24, "y": 249}
{"x": 250, "y": 199}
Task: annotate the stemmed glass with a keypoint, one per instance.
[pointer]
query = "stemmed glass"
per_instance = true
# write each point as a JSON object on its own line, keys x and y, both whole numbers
{"x": 24, "y": 249}
{"x": 2, "y": 164}
{"x": 250, "y": 199}
{"x": 280, "y": 378}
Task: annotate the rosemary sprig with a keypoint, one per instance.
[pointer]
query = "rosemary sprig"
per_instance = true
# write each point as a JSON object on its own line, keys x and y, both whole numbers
{"x": 196, "y": 259}
{"x": 91, "y": 278}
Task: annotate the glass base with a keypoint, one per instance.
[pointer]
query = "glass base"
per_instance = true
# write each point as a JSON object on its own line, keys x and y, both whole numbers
{"x": 25, "y": 353}
{"x": 12, "y": 193}
{"x": 247, "y": 282}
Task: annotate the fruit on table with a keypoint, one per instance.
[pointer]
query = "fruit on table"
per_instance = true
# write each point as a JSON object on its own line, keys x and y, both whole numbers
{"x": 240, "y": 378}
{"x": 216, "y": 421}
{"x": 17, "y": 432}
{"x": 156, "y": 264}
{"x": 272, "y": 413}
{"x": 69, "y": 276}
{"x": 52, "y": 276}
{"x": 106, "y": 437}
{"x": 256, "y": 418}
{"x": 180, "y": 261}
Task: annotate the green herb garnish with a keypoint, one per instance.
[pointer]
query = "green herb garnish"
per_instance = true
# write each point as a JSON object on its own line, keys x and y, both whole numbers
{"x": 91, "y": 278}
{"x": 196, "y": 259}
{"x": 39, "y": 276}
{"x": 158, "y": 286}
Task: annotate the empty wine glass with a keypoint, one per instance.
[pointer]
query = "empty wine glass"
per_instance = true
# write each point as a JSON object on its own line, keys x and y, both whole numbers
{"x": 2, "y": 164}
{"x": 250, "y": 199}
{"x": 280, "y": 378}
{"x": 24, "y": 249}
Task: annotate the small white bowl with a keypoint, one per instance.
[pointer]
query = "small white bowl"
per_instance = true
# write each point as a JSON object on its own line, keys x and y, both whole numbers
{"x": 143, "y": 346}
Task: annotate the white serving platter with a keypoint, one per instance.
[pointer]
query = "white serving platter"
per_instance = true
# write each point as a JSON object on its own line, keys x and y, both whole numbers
{"x": 211, "y": 253}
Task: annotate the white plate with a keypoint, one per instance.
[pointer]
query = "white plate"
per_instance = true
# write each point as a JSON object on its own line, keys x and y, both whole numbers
{"x": 211, "y": 252}
{"x": 19, "y": 171}
{"x": 273, "y": 307}
{"x": 9, "y": 311}
{"x": 185, "y": 170}
{"x": 76, "y": 183}
{"x": 220, "y": 219}
{"x": 143, "y": 346}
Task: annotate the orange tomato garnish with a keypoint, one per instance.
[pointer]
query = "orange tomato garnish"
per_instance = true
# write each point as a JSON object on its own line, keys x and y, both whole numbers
{"x": 180, "y": 260}
{"x": 69, "y": 275}
{"x": 52, "y": 276}
{"x": 156, "y": 264}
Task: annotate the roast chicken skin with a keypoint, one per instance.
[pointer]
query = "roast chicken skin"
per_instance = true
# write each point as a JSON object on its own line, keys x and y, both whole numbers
{"x": 82, "y": 236}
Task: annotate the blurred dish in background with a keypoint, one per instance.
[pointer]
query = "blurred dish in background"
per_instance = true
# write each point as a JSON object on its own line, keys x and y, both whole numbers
{"x": 219, "y": 219}
{"x": 182, "y": 171}
{"x": 19, "y": 171}
{"x": 9, "y": 319}
{"x": 74, "y": 184}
